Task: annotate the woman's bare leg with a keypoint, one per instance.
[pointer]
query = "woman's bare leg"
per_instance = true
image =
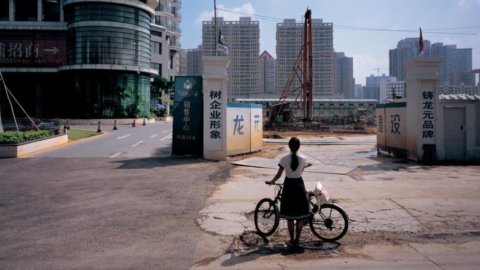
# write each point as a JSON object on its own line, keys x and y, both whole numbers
{"x": 291, "y": 228}
{"x": 298, "y": 231}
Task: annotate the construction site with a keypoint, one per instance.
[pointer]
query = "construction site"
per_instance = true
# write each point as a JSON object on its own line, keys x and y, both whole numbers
{"x": 297, "y": 109}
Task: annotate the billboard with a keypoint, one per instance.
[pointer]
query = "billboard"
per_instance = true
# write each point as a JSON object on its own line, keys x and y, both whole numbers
{"x": 33, "y": 49}
{"x": 188, "y": 116}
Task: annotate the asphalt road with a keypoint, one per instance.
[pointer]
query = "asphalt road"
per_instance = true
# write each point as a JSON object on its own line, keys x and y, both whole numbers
{"x": 125, "y": 142}
{"x": 83, "y": 207}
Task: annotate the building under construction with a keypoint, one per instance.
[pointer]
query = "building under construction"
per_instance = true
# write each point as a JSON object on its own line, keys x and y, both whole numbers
{"x": 295, "y": 103}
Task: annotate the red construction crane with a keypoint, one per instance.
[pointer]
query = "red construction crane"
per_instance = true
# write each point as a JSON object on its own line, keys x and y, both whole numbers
{"x": 302, "y": 70}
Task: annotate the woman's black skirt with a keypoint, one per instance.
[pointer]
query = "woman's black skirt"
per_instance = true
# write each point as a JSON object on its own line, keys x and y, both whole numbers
{"x": 294, "y": 201}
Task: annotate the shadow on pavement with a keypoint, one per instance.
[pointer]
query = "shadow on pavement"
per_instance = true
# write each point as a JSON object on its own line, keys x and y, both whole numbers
{"x": 156, "y": 162}
{"x": 251, "y": 246}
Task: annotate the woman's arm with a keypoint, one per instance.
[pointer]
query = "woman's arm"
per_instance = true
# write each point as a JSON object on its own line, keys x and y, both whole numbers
{"x": 306, "y": 166}
{"x": 276, "y": 177}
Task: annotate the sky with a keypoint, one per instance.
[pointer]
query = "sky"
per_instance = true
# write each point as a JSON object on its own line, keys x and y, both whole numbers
{"x": 363, "y": 29}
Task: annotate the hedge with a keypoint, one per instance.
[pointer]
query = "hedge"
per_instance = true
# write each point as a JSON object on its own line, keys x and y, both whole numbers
{"x": 13, "y": 137}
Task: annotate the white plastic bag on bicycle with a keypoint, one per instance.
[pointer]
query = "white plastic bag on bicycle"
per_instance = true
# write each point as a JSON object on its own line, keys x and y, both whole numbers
{"x": 321, "y": 194}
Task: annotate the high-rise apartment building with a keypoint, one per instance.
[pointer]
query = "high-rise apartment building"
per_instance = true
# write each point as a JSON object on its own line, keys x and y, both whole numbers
{"x": 406, "y": 49}
{"x": 344, "y": 82}
{"x": 266, "y": 74}
{"x": 79, "y": 58}
{"x": 456, "y": 66}
{"x": 166, "y": 35}
{"x": 372, "y": 88}
{"x": 358, "y": 91}
{"x": 383, "y": 88}
{"x": 391, "y": 89}
{"x": 289, "y": 43}
{"x": 194, "y": 62}
{"x": 243, "y": 40}
{"x": 182, "y": 69}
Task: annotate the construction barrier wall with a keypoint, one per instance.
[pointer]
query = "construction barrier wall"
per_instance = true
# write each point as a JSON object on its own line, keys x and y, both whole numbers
{"x": 244, "y": 128}
{"x": 391, "y": 128}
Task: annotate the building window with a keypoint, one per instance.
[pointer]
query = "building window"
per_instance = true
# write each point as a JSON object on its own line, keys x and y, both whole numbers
{"x": 156, "y": 33}
{"x": 25, "y": 10}
{"x": 4, "y": 10}
{"x": 51, "y": 11}
{"x": 157, "y": 47}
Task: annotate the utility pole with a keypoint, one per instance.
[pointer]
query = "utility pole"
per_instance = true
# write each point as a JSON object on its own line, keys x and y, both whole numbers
{"x": 215, "y": 43}
{"x": 307, "y": 69}
{"x": 1, "y": 87}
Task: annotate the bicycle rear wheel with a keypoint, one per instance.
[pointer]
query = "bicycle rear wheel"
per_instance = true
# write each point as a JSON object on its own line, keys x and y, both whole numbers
{"x": 266, "y": 216}
{"x": 330, "y": 223}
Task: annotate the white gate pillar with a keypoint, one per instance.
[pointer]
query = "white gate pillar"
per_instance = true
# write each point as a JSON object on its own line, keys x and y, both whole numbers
{"x": 215, "y": 79}
{"x": 422, "y": 102}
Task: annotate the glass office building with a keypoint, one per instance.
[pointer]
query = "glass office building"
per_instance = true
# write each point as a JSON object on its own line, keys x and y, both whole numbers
{"x": 78, "y": 58}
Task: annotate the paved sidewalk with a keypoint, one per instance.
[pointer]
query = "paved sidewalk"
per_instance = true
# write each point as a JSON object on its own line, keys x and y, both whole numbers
{"x": 403, "y": 215}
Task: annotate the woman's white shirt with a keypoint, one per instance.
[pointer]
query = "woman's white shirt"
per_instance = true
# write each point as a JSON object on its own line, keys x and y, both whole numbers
{"x": 287, "y": 160}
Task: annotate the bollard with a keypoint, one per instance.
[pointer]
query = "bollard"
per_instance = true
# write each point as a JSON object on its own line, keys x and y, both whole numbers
{"x": 99, "y": 129}
{"x": 144, "y": 121}
{"x": 133, "y": 123}
{"x": 114, "y": 124}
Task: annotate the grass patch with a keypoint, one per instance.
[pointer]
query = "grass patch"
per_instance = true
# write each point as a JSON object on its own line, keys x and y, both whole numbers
{"x": 77, "y": 134}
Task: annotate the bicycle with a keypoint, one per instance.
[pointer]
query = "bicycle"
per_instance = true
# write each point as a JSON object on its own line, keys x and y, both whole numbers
{"x": 328, "y": 221}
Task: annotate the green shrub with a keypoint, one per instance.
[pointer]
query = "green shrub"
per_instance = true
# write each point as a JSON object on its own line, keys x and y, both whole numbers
{"x": 12, "y": 137}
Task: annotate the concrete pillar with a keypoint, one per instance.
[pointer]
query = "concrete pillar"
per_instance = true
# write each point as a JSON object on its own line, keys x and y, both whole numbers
{"x": 39, "y": 10}
{"x": 11, "y": 11}
{"x": 215, "y": 79}
{"x": 61, "y": 11}
{"x": 422, "y": 75}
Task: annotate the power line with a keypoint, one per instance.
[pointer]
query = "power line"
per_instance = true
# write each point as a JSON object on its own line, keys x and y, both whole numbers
{"x": 371, "y": 29}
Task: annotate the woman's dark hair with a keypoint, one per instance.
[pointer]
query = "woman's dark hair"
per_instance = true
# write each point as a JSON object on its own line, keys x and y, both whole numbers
{"x": 294, "y": 145}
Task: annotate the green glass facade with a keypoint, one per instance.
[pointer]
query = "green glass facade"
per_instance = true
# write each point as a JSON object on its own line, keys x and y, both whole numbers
{"x": 94, "y": 62}
{"x": 107, "y": 37}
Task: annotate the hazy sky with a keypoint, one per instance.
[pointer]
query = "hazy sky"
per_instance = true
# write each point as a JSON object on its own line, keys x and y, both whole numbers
{"x": 362, "y": 28}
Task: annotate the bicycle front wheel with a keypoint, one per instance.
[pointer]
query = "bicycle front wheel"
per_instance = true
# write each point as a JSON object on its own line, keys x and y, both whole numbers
{"x": 267, "y": 217}
{"x": 330, "y": 223}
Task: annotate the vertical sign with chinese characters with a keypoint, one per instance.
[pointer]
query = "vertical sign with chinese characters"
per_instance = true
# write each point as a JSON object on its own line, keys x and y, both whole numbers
{"x": 215, "y": 106}
{"x": 187, "y": 137}
{"x": 215, "y": 79}
{"x": 428, "y": 116}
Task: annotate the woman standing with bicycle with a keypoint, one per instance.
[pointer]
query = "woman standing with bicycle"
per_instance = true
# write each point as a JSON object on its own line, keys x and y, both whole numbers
{"x": 294, "y": 201}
